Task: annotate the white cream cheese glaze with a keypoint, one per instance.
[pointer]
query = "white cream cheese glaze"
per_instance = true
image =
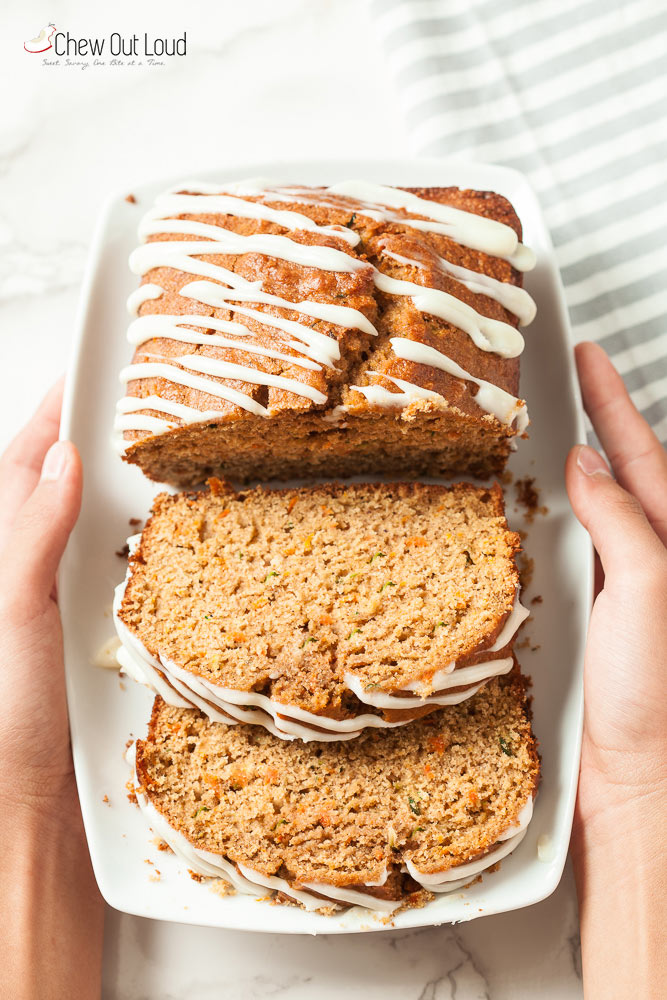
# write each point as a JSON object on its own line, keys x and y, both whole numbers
{"x": 502, "y": 405}
{"x": 516, "y": 300}
{"x": 435, "y": 690}
{"x": 144, "y": 293}
{"x": 186, "y": 414}
{"x": 459, "y": 875}
{"x": 312, "y": 349}
{"x": 487, "y": 334}
{"x": 310, "y": 342}
{"x": 522, "y": 257}
{"x": 160, "y": 369}
{"x": 377, "y": 395}
{"x": 215, "y": 202}
{"x": 466, "y": 228}
{"x": 251, "y": 882}
{"x": 268, "y": 244}
{"x": 173, "y": 327}
{"x": 183, "y": 257}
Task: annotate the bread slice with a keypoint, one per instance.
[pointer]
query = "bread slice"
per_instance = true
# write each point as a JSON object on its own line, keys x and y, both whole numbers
{"x": 325, "y": 332}
{"x": 317, "y": 612}
{"x": 386, "y": 820}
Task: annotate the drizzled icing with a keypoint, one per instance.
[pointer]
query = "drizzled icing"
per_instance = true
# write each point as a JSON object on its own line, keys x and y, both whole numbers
{"x": 466, "y": 228}
{"x": 435, "y": 690}
{"x": 157, "y": 369}
{"x": 310, "y": 342}
{"x": 458, "y": 875}
{"x": 516, "y": 300}
{"x": 505, "y": 407}
{"x": 377, "y": 395}
{"x": 226, "y": 369}
{"x": 251, "y": 882}
{"x": 187, "y": 414}
{"x": 172, "y": 328}
{"x": 183, "y": 689}
{"x": 241, "y": 877}
{"x": 144, "y": 293}
{"x": 171, "y": 204}
{"x": 447, "y": 678}
{"x": 297, "y": 343}
{"x": 487, "y": 334}
{"x": 268, "y": 244}
{"x": 373, "y": 200}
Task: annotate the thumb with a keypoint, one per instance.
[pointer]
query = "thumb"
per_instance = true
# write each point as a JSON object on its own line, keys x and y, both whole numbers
{"x": 615, "y": 520}
{"x": 41, "y": 530}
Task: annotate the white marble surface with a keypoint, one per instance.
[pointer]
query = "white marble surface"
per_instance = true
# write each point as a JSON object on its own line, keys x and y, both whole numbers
{"x": 296, "y": 78}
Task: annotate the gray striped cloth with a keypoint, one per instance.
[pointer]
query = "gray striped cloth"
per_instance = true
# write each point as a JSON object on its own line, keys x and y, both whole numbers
{"x": 573, "y": 93}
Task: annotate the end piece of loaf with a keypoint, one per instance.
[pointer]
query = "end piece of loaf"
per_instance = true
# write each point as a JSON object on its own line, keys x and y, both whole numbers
{"x": 292, "y": 332}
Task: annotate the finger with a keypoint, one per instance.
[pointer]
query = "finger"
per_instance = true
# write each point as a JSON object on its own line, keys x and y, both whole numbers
{"x": 41, "y": 529}
{"x": 22, "y": 461}
{"x": 619, "y": 529}
{"x": 638, "y": 459}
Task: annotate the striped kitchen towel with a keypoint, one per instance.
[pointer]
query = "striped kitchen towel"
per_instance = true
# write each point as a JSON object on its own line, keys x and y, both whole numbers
{"x": 573, "y": 93}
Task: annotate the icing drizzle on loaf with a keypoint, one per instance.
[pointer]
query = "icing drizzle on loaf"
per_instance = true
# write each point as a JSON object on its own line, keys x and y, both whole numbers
{"x": 297, "y": 343}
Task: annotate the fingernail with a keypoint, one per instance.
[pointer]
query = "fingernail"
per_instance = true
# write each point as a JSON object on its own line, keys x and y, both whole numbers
{"x": 54, "y": 461}
{"x": 591, "y": 462}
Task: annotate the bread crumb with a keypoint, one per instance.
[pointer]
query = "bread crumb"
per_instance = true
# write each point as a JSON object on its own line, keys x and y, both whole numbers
{"x": 130, "y": 197}
{"x": 161, "y": 845}
{"x": 528, "y": 497}
{"x": 222, "y": 888}
{"x": 526, "y": 570}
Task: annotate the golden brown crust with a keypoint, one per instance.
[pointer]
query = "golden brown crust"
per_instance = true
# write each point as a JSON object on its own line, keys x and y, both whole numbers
{"x": 457, "y": 415}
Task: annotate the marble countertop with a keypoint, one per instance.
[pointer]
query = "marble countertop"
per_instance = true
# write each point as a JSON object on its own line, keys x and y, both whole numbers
{"x": 299, "y": 79}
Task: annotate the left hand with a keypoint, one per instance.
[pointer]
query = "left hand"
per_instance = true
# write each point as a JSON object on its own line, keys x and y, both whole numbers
{"x": 40, "y": 496}
{"x": 51, "y": 940}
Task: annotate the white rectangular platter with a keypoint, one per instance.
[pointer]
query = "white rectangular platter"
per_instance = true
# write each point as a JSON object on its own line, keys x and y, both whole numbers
{"x": 105, "y": 711}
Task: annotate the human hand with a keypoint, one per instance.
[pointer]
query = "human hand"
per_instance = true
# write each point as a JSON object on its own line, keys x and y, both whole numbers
{"x": 626, "y": 651}
{"x": 51, "y": 939}
{"x": 617, "y": 840}
{"x": 40, "y": 496}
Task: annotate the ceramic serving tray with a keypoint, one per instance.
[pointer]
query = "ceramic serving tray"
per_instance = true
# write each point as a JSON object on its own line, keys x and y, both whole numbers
{"x": 105, "y": 711}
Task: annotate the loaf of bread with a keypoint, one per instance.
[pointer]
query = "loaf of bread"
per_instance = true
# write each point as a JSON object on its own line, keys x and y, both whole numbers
{"x": 321, "y": 611}
{"x": 299, "y": 332}
{"x": 387, "y": 820}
